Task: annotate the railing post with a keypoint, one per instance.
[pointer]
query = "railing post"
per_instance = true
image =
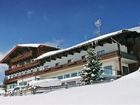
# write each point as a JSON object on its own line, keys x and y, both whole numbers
{"x": 119, "y": 58}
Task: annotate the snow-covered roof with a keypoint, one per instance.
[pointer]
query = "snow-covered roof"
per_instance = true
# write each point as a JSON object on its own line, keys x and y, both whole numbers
{"x": 48, "y": 54}
{"x": 46, "y": 82}
{"x": 28, "y": 45}
{"x": 35, "y": 45}
{"x": 137, "y": 29}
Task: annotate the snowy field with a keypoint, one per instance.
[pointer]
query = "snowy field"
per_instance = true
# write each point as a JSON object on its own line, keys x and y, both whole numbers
{"x": 124, "y": 91}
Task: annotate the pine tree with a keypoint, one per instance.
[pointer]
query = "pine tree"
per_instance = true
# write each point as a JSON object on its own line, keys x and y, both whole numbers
{"x": 92, "y": 70}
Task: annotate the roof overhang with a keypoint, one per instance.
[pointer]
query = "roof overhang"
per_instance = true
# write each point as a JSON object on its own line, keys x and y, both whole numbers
{"x": 120, "y": 36}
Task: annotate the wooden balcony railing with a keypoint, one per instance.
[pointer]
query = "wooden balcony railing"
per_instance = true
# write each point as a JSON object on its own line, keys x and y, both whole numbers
{"x": 61, "y": 67}
{"x": 24, "y": 67}
{"x": 46, "y": 70}
{"x": 115, "y": 54}
{"x": 21, "y": 57}
{"x": 128, "y": 56}
{"x": 108, "y": 55}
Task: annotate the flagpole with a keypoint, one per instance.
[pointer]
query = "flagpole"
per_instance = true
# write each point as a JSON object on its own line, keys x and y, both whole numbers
{"x": 98, "y": 25}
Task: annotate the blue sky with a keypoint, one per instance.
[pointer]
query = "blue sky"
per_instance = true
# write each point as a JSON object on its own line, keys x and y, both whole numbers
{"x": 62, "y": 22}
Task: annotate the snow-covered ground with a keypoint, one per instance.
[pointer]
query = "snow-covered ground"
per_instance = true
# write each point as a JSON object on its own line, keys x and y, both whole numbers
{"x": 124, "y": 91}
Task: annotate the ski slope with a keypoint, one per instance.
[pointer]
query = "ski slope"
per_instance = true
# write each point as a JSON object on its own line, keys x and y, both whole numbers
{"x": 124, "y": 91}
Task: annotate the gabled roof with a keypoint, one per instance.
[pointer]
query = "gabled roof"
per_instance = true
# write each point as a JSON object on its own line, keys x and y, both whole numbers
{"x": 22, "y": 46}
{"x": 135, "y": 29}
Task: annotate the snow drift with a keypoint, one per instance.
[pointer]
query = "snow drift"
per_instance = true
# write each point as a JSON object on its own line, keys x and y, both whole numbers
{"x": 124, "y": 91}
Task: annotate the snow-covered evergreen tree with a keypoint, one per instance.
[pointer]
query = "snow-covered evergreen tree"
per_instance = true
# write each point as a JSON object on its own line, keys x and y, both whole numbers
{"x": 92, "y": 70}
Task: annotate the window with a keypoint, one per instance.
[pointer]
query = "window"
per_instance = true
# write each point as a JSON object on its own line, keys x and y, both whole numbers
{"x": 108, "y": 70}
{"x": 46, "y": 66}
{"x": 69, "y": 61}
{"x": 20, "y": 83}
{"x": 19, "y": 74}
{"x": 57, "y": 64}
{"x": 53, "y": 77}
{"x": 101, "y": 52}
{"x": 79, "y": 73}
{"x": 25, "y": 72}
{"x": 60, "y": 77}
{"x": 31, "y": 71}
{"x": 83, "y": 57}
{"x": 73, "y": 74}
{"x": 23, "y": 83}
{"x": 67, "y": 76}
{"x": 13, "y": 75}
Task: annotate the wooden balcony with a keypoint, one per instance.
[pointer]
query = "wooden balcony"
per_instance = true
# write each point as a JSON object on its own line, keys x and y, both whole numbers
{"x": 47, "y": 70}
{"x": 116, "y": 54}
{"x": 108, "y": 55}
{"x": 128, "y": 56}
{"x": 24, "y": 67}
{"x": 61, "y": 67}
{"x": 21, "y": 57}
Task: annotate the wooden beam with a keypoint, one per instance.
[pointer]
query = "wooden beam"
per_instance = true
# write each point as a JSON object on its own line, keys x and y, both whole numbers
{"x": 59, "y": 56}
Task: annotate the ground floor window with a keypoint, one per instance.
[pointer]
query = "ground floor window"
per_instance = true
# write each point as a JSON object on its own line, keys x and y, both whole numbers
{"x": 108, "y": 70}
{"x": 23, "y": 83}
{"x": 67, "y": 76}
{"x": 10, "y": 86}
{"x": 73, "y": 74}
{"x": 60, "y": 77}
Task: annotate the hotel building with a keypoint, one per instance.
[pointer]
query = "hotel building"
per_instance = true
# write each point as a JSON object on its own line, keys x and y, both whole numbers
{"x": 119, "y": 52}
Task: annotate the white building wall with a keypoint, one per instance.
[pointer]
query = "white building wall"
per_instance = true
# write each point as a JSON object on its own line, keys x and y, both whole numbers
{"x": 77, "y": 56}
{"x": 62, "y": 72}
{"x": 64, "y": 60}
{"x": 113, "y": 63}
{"x": 110, "y": 47}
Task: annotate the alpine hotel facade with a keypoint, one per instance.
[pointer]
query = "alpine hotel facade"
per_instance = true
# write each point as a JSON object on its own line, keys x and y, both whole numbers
{"x": 119, "y": 52}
